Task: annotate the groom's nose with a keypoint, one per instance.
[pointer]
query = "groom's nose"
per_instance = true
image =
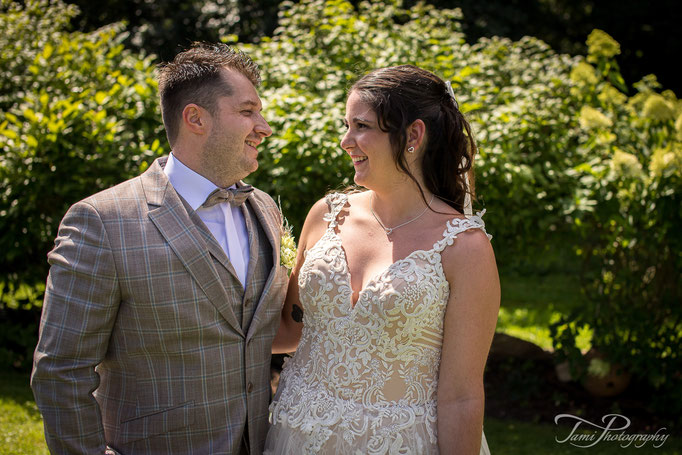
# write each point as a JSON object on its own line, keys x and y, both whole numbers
{"x": 262, "y": 127}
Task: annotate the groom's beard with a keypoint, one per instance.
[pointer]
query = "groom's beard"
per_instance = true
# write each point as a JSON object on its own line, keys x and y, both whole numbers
{"x": 223, "y": 160}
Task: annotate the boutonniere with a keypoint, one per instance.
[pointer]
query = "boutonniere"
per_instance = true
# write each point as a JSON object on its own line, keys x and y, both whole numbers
{"x": 287, "y": 249}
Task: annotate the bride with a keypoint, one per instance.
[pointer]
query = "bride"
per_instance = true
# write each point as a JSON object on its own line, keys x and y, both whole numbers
{"x": 395, "y": 295}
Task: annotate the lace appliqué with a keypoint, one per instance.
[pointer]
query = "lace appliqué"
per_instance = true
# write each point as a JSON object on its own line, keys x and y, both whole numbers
{"x": 364, "y": 377}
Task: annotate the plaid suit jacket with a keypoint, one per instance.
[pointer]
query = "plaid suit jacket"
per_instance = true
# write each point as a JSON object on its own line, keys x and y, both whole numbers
{"x": 140, "y": 348}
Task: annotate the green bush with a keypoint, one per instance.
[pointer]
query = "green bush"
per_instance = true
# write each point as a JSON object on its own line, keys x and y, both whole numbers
{"x": 19, "y": 323}
{"x": 79, "y": 114}
{"x": 627, "y": 217}
{"x": 165, "y": 27}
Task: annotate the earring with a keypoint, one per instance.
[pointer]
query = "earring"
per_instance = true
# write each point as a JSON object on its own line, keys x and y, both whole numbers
{"x": 410, "y": 150}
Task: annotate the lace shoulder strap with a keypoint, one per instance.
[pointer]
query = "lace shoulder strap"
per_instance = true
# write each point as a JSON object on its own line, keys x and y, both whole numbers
{"x": 336, "y": 202}
{"x": 458, "y": 225}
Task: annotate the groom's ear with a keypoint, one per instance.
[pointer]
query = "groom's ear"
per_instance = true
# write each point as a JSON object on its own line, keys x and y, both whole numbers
{"x": 196, "y": 119}
{"x": 416, "y": 133}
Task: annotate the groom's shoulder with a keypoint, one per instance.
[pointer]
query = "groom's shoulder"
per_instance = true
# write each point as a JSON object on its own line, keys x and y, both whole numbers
{"x": 129, "y": 191}
{"x": 264, "y": 198}
{"x": 128, "y": 197}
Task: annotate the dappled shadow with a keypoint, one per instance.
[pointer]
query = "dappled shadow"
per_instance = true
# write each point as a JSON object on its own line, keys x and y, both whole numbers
{"x": 521, "y": 384}
{"x": 15, "y": 388}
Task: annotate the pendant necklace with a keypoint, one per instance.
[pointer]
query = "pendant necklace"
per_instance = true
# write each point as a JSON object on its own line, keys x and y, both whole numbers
{"x": 389, "y": 231}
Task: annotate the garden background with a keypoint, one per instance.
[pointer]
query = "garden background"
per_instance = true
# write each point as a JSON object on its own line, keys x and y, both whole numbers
{"x": 579, "y": 169}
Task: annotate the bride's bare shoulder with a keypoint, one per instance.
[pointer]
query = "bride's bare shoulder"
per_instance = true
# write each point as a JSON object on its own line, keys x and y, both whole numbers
{"x": 316, "y": 214}
{"x": 471, "y": 253}
{"x": 357, "y": 196}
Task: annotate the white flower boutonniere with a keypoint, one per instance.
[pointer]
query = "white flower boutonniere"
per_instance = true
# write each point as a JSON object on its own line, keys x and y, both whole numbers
{"x": 287, "y": 249}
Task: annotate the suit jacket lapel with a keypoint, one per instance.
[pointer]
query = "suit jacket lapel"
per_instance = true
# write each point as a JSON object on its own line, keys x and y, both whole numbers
{"x": 186, "y": 239}
{"x": 272, "y": 232}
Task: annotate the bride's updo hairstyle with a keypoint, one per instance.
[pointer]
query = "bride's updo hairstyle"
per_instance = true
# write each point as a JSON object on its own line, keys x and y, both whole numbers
{"x": 399, "y": 95}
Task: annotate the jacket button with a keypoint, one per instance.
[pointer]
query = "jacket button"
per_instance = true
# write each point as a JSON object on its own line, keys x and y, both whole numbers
{"x": 249, "y": 387}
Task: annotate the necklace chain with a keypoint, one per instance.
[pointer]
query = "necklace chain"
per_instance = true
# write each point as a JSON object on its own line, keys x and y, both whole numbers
{"x": 389, "y": 231}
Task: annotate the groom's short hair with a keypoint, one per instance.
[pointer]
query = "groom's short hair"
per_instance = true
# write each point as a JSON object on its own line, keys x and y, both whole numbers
{"x": 194, "y": 76}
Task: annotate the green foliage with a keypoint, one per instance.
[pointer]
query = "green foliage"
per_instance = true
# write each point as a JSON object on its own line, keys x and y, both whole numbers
{"x": 21, "y": 44}
{"x": 79, "y": 114}
{"x": 627, "y": 214}
{"x": 523, "y": 123}
{"x": 19, "y": 317}
{"x": 165, "y": 27}
{"x": 564, "y": 24}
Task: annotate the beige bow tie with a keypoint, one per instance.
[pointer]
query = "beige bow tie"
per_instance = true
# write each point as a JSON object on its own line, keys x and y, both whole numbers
{"x": 235, "y": 196}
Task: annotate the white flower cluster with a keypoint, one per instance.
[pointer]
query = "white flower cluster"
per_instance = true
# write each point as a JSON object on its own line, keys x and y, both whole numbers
{"x": 287, "y": 249}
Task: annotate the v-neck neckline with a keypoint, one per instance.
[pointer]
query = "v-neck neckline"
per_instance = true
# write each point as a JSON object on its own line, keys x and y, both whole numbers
{"x": 332, "y": 234}
{"x": 375, "y": 278}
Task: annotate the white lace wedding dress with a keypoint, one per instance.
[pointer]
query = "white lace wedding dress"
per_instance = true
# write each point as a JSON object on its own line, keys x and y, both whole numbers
{"x": 364, "y": 377}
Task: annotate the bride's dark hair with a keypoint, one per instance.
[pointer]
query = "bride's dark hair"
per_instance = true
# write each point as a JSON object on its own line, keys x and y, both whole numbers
{"x": 399, "y": 95}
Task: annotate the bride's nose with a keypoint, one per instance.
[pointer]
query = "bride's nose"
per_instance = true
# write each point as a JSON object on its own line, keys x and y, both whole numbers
{"x": 346, "y": 141}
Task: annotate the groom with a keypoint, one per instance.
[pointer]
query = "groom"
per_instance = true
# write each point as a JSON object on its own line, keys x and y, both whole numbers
{"x": 164, "y": 292}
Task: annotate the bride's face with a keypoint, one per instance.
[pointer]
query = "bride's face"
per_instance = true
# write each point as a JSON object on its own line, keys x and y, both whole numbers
{"x": 367, "y": 145}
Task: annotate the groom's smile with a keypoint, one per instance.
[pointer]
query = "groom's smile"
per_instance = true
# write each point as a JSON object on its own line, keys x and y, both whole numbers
{"x": 237, "y": 129}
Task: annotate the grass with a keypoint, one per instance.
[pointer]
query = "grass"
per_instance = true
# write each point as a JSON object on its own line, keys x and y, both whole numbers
{"x": 22, "y": 430}
{"x": 20, "y": 421}
{"x": 531, "y": 303}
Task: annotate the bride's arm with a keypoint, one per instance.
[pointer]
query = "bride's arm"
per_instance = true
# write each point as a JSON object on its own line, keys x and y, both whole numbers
{"x": 470, "y": 321}
{"x": 291, "y": 324}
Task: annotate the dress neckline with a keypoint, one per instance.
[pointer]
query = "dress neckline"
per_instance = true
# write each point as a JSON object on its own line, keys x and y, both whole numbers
{"x": 374, "y": 278}
{"x": 337, "y": 201}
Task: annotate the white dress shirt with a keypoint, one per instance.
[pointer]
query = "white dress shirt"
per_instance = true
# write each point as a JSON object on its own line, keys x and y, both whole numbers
{"x": 225, "y": 222}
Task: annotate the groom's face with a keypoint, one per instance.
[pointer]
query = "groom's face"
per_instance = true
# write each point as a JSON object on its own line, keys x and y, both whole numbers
{"x": 237, "y": 129}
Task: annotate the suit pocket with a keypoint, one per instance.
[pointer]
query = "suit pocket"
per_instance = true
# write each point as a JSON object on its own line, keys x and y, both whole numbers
{"x": 158, "y": 422}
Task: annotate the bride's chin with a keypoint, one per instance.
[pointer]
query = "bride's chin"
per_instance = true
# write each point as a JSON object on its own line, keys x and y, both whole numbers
{"x": 360, "y": 179}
